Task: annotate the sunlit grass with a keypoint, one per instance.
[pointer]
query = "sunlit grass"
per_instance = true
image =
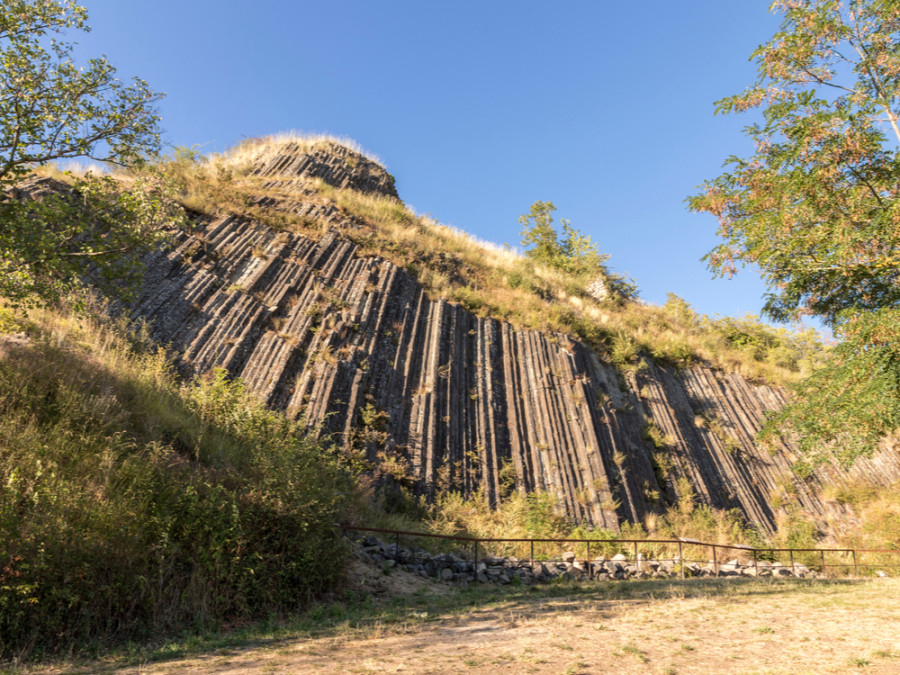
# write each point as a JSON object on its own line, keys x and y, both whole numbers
{"x": 493, "y": 280}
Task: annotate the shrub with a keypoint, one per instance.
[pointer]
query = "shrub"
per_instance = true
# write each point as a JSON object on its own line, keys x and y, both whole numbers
{"x": 133, "y": 505}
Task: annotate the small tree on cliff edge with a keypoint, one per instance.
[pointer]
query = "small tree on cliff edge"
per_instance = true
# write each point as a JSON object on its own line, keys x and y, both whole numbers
{"x": 51, "y": 109}
{"x": 575, "y": 253}
{"x": 816, "y": 208}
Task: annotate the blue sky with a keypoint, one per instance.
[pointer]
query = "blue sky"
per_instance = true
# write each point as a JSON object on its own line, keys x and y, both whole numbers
{"x": 479, "y": 108}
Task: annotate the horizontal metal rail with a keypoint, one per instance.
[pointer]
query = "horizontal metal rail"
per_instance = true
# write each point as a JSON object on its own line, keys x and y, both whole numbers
{"x": 680, "y": 542}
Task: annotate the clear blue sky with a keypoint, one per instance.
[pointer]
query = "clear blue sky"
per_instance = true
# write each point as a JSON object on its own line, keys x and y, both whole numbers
{"x": 479, "y": 108}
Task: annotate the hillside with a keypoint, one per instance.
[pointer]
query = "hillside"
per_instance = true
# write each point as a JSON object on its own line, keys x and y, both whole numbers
{"x": 451, "y": 364}
{"x": 152, "y": 484}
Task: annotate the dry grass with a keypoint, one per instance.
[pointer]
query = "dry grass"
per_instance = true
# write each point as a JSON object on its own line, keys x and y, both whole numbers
{"x": 637, "y": 627}
{"x": 257, "y": 150}
{"x": 488, "y": 279}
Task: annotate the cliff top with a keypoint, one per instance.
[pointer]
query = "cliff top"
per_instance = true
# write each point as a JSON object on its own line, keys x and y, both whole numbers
{"x": 318, "y": 184}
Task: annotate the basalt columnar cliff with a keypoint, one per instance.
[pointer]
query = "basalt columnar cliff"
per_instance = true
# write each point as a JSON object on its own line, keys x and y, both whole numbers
{"x": 354, "y": 344}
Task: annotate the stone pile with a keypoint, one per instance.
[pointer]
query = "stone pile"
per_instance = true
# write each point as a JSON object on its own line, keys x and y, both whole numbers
{"x": 462, "y": 570}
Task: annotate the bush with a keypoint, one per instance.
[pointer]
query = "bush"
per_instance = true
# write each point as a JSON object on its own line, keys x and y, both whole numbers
{"x": 131, "y": 505}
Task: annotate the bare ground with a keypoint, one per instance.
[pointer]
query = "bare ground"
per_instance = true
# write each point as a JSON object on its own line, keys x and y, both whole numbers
{"x": 695, "y": 626}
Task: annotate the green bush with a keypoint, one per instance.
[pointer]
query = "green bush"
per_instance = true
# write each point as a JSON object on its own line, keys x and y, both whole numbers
{"x": 132, "y": 505}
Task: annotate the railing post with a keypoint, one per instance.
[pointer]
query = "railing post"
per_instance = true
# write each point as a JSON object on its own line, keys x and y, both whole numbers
{"x": 715, "y": 561}
{"x": 397, "y": 550}
{"x": 476, "y": 558}
{"x": 635, "y": 555}
{"x": 532, "y": 556}
{"x": 824, "y": 568}
{"x": 855, "y": 566}
{"x": 755, "y": 565}
{"x": 792, "y": 562}
{"x": 681, "y": 558}
{"x": 587, "y": 561}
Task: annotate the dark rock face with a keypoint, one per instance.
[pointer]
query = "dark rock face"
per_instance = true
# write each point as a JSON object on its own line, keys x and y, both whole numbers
{"x": 336, "y": 164}
{"x": 354, "y": 345}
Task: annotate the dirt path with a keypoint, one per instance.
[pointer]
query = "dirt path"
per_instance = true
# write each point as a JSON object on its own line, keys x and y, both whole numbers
{"x": 760, "y": 628}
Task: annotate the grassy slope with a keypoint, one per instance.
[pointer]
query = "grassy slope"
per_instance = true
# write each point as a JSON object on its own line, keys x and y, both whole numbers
{"x": 108, "y": 457}
{"x": 133, "y": 504}
{"x": 493, "y": 281}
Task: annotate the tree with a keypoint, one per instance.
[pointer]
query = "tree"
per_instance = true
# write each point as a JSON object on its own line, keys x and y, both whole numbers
{"x": 51, "y": 110}
{"x": 539, "y": 234}
{"x": 816, "y": 208}
{"x": 575, "y": 253}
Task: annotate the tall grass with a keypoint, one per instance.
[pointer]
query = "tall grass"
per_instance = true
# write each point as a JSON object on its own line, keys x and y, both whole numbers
{"x": 134, "y": 505}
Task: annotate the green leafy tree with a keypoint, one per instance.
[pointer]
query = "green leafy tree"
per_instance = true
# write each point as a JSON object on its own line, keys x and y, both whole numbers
{"x": 816, "y": 208}
{"x": 575, "y": 253}
{"x": 50, "y": 110}
{"x": 539, "y": 235}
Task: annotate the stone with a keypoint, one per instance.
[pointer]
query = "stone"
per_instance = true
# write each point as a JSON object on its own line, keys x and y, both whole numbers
{"x": 447, "y": 574}
{"x": 568, "y": 556}
{"x": 597, "y": 289}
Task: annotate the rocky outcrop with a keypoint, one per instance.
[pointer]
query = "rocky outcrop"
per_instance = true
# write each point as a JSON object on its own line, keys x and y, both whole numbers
{"x": 453, "y": 400}
{"x": 335, "y": 164}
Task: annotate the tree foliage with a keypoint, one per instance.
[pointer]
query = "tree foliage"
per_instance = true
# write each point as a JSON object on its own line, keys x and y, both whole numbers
{"x": 816, "y": 207}
{"x": 52, "y": 109}
{"x": 575, "y": 253}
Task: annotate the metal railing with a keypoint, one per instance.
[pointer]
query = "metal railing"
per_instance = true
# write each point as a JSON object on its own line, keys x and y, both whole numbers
{"x": 477, "y": 543}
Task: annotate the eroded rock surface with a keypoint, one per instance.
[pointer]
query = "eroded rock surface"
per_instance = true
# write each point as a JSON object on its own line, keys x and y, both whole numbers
{"x": 353, "y": 344}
